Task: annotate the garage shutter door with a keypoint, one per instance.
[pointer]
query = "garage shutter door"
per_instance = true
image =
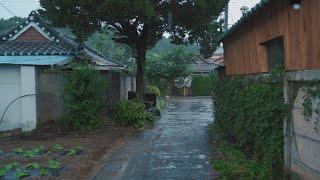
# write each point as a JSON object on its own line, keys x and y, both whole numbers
{"x": 10, "y": 87}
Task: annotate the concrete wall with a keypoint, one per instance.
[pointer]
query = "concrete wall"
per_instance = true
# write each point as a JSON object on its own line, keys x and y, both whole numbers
{"x": 128, "y": 83}
{"x": 305, "y": 146}
{"x": 50, "y": 87}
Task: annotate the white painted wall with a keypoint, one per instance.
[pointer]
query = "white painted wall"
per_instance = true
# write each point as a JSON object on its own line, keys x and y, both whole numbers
{"x": 16, "y": 82}
{"x": 28, "y": 87}
{"x": 10, "y": 88}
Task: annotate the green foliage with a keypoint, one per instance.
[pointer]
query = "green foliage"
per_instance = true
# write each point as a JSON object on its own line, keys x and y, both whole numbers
{"x": 170, "y": 65}
{"x": 132, "y": 114}
{"x": 4, "y": 169}
{"x": 201, "y": 85}
{"x": 154, "y": 90}
{"x": 28, "y": 154}
{"x": 7, "y": 24}
{"x": 53, "y": 164}
{"x": 250, "y": 114}
{"x": 312, "y": 90}
{"x": 44, "y": 172}
{"x": 102, "y": 42}
{"x": 18, "y": 150}
{"x": 140, "y": 24}
{"x": 161, "y": 104}
{"x": 33, "y": 166}
{"x": 164, "y": 69}
{"x": 20, "y": 173}
{"x": 57, "y": 148}
{"x": 232, "y": 163}
{"x": 84, "y": 96}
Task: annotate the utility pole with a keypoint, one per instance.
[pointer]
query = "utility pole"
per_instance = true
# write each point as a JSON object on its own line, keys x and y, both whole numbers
{"x": 226, "y": 18}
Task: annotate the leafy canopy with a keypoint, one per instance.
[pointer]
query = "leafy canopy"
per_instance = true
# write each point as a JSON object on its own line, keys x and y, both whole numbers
{"x": 170, "y": 65}
{"x": 141, "y": 23}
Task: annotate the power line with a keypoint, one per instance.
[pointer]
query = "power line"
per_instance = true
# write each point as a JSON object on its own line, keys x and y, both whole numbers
{"x": 7, "y": 9}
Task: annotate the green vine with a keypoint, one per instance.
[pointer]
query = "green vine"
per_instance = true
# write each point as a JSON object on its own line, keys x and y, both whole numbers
{"x": 312, "y": 90}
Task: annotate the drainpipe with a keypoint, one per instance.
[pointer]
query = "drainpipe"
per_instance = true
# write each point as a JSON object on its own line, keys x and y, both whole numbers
{"x": 287, "y": 133}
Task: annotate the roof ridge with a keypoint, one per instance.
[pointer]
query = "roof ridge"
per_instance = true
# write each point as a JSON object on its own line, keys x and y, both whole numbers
{"x": 34, "y": 17}
{"x": 244, "y": 18}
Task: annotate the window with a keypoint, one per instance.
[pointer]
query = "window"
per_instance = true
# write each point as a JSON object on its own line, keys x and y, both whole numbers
{"x": 275, "y": 50}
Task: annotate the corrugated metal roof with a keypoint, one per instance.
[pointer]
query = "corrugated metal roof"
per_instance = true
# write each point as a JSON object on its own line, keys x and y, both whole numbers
{"x": 34, "y": 60}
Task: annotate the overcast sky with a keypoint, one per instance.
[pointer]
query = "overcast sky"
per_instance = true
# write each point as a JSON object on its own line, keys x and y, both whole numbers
{"x": 23, "y": 7}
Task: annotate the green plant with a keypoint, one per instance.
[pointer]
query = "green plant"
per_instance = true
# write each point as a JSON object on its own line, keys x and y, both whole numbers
{"x": 44, "y": 172}
{"x": 29, "y": 154}
{"x": 154, "y": 90}
{"x": 132, "y": 114}
{"x": 307, "y": 107}
{"x": 201, "y": 85}
{"x": 21, "y": 173}
{"x": 84, "y": 95}
{"x": 33, "y": 166}
{"x": 53, "y": 164}
{"x": 250, "y": 113}
{"x": 18, "y": 150}
{"x": 74, "y": 151}
{"x": 2, "y": 172}
{"x": 57, "y": 148}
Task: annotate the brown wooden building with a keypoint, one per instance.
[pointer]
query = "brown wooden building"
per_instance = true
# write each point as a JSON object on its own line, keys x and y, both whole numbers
{"x": 274, "y": 30}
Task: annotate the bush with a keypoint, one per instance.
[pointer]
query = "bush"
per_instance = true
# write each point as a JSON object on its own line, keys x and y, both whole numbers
{"x": 250, "y": 114}
{"x": 154, "y": 90}
{"x": 84, "y": 95}
{"x": 201, "y": 85}
{"x": 132, "y": 114}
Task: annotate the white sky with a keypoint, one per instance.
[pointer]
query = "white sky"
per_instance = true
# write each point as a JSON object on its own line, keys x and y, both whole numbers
{"x": 23, "y": 7}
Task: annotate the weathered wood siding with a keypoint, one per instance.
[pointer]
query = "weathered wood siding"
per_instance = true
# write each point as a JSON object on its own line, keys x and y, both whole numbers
{"x": 245, "y": 53}
{"x": 32, "y": 35}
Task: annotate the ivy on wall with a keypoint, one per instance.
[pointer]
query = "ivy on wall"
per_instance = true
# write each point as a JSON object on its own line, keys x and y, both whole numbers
{"x": 310, "y": 105}
{"x": 250, "y": 114}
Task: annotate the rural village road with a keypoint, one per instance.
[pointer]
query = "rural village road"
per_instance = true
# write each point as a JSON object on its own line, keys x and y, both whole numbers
{"x": 176, "y": 148}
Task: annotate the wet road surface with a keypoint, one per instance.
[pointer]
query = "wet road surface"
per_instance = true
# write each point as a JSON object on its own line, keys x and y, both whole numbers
{"x": 176, "y": 148}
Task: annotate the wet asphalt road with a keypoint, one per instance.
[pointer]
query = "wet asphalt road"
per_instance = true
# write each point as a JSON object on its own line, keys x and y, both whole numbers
{"x": 176, "y": 148}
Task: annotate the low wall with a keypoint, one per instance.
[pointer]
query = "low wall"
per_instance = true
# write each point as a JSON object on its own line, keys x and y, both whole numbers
{"x": 50, "y": 87}
{"x": 305, "y": 145}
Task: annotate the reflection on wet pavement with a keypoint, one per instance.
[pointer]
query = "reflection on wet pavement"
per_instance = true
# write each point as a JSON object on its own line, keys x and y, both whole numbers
{"x": 176, "y": 148}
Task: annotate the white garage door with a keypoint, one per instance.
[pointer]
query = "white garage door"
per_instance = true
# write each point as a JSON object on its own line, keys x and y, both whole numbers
{"x": 10, "y": 88}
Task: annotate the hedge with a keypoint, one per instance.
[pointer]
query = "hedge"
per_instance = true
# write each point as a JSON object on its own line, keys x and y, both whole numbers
{"x": 201, "y": 85}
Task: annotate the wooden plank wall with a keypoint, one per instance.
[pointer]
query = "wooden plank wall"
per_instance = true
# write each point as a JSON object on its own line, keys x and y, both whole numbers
{"x": 32, "y": 34}
{"x": 245, "y": 54}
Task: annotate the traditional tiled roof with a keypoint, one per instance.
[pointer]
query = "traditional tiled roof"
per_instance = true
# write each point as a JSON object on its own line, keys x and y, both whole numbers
{"x": 15, "y": 48}
{"x": 59, "y": 44}
{"x": 245, "y": 18}
{"x": 203, "y": 67}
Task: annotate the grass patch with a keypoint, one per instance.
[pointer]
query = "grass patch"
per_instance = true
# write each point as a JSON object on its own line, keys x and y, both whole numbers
{"x": 231, "y": 163}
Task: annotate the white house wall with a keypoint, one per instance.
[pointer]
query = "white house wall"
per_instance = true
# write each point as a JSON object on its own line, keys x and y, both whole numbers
{"x": 28, "y": 87}
{"x": 10, "y": 88}
{"x": 16, "y": 81}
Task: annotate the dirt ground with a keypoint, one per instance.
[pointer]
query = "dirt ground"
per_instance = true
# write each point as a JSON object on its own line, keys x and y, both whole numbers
{"x": 95, "y": 146}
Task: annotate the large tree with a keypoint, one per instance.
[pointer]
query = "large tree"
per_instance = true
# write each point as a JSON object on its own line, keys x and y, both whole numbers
{"x": 141, "y": 23}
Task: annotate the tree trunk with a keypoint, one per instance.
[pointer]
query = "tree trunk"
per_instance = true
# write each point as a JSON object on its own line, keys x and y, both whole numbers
{"x": 140, "y": 79}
